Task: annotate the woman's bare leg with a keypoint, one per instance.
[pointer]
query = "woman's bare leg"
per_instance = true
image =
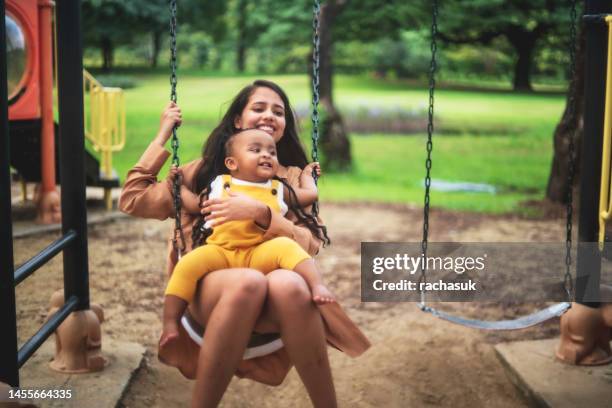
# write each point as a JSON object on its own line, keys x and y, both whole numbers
{"x": 290, "y": 304}
{"x": 230, "y": 302}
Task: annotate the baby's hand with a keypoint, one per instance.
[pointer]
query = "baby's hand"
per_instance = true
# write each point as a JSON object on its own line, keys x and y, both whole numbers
{"x": 307, "y": 193}
{"x": 306, "y": 178}
{"x": 310, "y": 167}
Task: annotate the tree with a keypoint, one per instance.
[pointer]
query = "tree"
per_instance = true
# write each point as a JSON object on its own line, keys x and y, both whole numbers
{"x": 252, "y": 18}
{"x": 369, "y": 20}
{"x": 108, "y": 23}
{"x": 284, "y": 25}
{"x": 105, "y": 24}
{"x": 570, "y": 125}
{"x": 523, "y": 23}
{"x": 208, "y": 16}
{"x": 200, "y": 21}
{"x": 334, "y": 139}
{"x": 365, "y": 20}
{"x": 156, "y": 41}
{"x": 242, "y": 35}
{"x": 154, "y": 17}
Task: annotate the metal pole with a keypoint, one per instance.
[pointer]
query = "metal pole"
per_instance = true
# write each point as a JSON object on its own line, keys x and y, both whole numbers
{"x": 9, "y": 372}
{"x": 49, "y": 195}
{"x": 588, "y": 262}
{"x": 72, "y": 149}
{"x": 44, "y": 256}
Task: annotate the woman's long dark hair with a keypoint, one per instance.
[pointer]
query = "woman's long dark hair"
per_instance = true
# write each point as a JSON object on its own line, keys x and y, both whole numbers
{"x": 309, "y": 220}
{"x": 289, "y": 149}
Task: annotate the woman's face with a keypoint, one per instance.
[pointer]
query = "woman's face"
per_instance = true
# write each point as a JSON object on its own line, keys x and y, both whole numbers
{"x": 265, "y": 110}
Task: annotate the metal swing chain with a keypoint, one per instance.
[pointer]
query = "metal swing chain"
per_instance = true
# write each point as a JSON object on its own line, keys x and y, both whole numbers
{"x": 315, "y": 94}
{"x": 568, "y": 283}
{"x": 176, "y": 187}
{"x": 430, "y": 130}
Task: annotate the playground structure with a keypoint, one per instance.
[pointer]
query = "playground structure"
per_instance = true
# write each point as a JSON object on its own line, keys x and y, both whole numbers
{"x": 30, "y": 44}
{"x": 586, "y": 329}
{"x": 105, "y": 129}
{"x": 75, "y": 309}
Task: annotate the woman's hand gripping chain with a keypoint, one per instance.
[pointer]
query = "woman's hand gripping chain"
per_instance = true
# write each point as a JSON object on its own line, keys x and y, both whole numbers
{"x": 171, "y": 117}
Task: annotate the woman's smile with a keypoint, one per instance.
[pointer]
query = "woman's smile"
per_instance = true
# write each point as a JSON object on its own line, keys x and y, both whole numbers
{"x": 267, "y": 128}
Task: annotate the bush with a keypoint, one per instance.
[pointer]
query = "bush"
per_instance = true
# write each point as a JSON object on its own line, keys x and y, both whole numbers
{"x": 353, "y": 57}
{"x": 289, "y": 61}
{"x": 194, "y": 49}
{"x": 551, "y": 61}
{"x": 374, "y": 119}
{"x": 474, "y": 60}
{"x": 407, "y": 57}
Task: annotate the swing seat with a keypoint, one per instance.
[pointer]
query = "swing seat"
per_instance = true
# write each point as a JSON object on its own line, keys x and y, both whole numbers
{"x": 522, "y": 322}
{"x": 260, "y": 344}
{"x": 183, "y": 353}
{"x": 541, "y": 315}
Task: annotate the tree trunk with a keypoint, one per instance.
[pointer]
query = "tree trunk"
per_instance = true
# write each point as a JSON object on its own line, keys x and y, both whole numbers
{"x": 107, "y": 54}
{"x": 240, "y": 56}
{"x": 522, "y": 69}
{"x": 217, "y": 60}
{"x": 524, "y": 45}
{"x": 242, "y": 34}
{"x": 335, "y": 144}
{"x": 156, "y": 46}
{"x": 571, "y": 124}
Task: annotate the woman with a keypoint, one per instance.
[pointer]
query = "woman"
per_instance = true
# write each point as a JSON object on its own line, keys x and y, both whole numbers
{"x": 234, "y": 303}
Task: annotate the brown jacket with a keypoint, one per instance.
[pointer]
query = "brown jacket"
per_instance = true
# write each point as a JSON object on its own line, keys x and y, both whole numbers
{"x": 144, "y": 196}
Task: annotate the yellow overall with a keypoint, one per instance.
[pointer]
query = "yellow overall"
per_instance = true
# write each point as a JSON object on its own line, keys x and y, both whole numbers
{"x": 237, "y": 244}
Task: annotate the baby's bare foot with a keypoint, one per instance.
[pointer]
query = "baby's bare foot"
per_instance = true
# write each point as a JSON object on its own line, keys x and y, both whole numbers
{"x": 321, "y": 295}
{"x": 170, "y": 333}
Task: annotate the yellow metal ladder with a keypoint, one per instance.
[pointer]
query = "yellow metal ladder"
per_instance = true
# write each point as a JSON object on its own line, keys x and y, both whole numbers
{"x": 104, "y": 124}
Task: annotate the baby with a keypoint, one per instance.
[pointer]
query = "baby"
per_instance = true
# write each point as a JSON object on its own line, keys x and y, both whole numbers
{"x": 251, "y": 159}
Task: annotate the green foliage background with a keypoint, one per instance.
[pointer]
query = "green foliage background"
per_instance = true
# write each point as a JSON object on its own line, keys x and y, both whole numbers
{"x": 496, "y": 137}
{"x": 485, "y": 133}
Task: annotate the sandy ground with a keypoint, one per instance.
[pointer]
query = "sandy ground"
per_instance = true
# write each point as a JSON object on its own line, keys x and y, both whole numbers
{"x": 416, "y": 359}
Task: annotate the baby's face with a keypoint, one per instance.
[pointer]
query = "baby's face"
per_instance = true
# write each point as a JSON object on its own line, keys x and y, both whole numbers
{"x": 253, "y": 156}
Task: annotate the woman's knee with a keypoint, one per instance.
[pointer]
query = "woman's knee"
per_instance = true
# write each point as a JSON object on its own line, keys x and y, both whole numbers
{"x": 249, "y": 286}
{"x": 288, "y": 285}
{"x": 241, "y": 288}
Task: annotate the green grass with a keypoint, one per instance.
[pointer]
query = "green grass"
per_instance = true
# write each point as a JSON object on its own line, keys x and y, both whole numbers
{"x": 392, "y": 169}
{"x": 487, "y": 136}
